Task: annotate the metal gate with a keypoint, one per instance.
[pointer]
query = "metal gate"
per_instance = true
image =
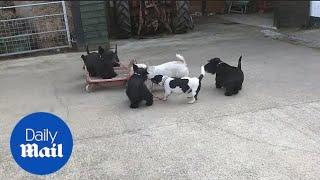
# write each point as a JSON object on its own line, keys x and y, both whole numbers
{"x": 44, "y": 28}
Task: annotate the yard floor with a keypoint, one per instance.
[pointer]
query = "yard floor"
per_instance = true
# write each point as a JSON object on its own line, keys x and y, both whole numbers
{"x": 270, "y": 130}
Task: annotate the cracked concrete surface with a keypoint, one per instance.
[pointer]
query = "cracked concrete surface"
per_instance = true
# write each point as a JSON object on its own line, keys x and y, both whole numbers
{"x": 270, "y": 130}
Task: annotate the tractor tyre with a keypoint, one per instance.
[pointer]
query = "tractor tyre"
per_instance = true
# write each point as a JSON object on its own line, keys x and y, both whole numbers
{"x": 123, "y": 20}
{"x": 183, "y": 20}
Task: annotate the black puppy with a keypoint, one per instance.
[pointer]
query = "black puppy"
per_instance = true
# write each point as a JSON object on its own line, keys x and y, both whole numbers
{"x": 110, "y": 56}
{"x": 106, "y": 70}
{"x": 137, "y": 91}
{"x": 227, "y": 76}
{"x": 91, "y": 61}
{"x": 97, "y": 66}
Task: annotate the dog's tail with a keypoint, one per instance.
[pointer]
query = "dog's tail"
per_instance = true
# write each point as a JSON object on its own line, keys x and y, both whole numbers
{"x": 181, "y": 58}
{"x": 202, "y": 73}
{"x": 87, "y": 48}
{"x": 239, "y": 62}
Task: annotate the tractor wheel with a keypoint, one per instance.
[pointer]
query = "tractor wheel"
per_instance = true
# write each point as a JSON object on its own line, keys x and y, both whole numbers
{"x": 182, "y": 21}
{"x": 122, "y": 15}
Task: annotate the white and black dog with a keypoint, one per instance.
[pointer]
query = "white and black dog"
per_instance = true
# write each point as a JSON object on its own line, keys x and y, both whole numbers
{"x": 227, "y": 76}
{"x": 185, "y": 85}
{"x": 176, "y": 69}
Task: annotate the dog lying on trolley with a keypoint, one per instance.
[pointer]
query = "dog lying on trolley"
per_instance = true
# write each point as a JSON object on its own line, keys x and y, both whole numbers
{"x": 101, "y": 63}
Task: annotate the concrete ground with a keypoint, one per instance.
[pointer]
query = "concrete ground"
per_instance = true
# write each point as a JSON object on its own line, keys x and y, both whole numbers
{"x": 307, "y": 37}
{"x": 263, "y": 20}
{"x": 270, "y": 130}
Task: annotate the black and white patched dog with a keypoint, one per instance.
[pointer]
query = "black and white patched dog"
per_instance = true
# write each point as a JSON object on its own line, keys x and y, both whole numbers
{"x": 229, "y": 77}
{"x": 97, "y": 66}
{"x": 110, "y": 56}
{"x": 137, "y": 91}
{"x": 187, "y": 85}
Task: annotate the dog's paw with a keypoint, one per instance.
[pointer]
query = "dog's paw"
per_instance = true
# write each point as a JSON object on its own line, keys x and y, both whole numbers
{"x": 192, "y": 101}
{"x": 228, "y": 94}
{"x": 218, "y": 86}
{"x": 190, "y": 96}
{"x": 134, "y": 106}
{"x": 149, "y": 103}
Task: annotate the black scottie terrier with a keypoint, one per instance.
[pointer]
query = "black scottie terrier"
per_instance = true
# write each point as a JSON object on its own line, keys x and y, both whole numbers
{"x": 137, "y": 91}
{"x": 97, "y": 66}
{"x": 110, "y": 56}
{"x": 227, "y": 76}
{"x": 91, "y": 61}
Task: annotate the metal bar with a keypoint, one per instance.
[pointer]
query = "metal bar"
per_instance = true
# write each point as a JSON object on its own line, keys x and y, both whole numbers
{"x": 26, "y": 5}
{"x": 33, "y": 17}
{"x": 21, "y": 35}
{"x": 35, "y": 50}
{"x": 66, "y": 22}
{"x": 65, "y": 31}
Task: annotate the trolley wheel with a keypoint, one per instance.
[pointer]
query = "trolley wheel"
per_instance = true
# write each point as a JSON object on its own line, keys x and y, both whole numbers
{"x": 89, "y": 87}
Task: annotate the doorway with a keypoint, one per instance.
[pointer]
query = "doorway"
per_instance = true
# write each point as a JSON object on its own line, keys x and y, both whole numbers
{"x": 254, "y": 13}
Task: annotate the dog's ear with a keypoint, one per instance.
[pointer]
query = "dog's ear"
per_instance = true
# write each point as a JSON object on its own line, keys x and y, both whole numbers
{"x": 83, "y": 57}
{"x": 135, "y": 67}
{"x": 131, "y": 62}
{"x": 157, "y": 79}
{"x": 100, "y": 50}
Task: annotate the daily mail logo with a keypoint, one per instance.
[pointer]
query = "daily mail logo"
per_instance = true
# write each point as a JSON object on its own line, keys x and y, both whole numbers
{"x": 41, "y": 143}
{"x": 32, "y": 150}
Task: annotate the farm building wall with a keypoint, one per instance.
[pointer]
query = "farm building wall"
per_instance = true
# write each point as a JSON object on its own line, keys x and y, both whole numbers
{"x": 291, "y": 13}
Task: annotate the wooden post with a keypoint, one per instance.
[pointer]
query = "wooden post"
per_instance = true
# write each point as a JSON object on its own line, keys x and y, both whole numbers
{"x": 204, "y": 8}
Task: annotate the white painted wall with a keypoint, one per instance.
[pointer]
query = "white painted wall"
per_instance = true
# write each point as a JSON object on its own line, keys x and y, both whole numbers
{"x": 315, "y": 8}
